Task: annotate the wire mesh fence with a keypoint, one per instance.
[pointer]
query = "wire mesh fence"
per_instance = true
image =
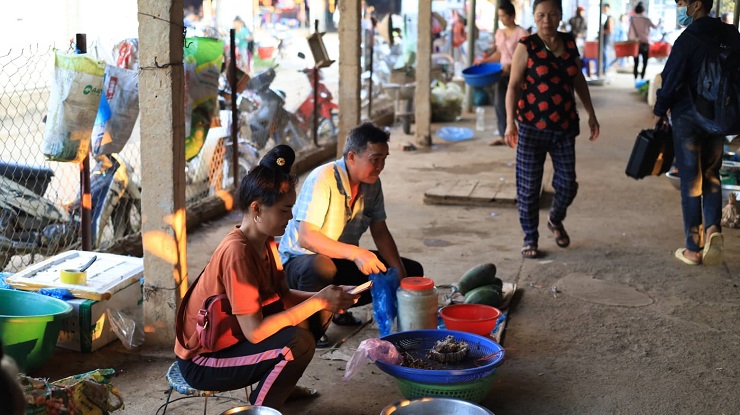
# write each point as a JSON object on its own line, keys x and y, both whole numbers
{"x": 40, "y": 209}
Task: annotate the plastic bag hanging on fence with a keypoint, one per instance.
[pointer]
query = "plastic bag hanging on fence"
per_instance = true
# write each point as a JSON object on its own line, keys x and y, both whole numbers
{"x": 73, "y": 106}
{"x": 385, "y": 306}
{"x": 203, "y": 58}
{"x": 117, "y": 113}
{"x": 371, "y": 350}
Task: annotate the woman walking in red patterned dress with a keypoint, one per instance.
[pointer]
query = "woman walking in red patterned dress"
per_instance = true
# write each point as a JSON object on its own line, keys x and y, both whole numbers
{"x": 542, "y": 118}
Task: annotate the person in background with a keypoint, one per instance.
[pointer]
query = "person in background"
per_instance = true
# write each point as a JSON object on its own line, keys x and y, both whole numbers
{"x": 579, "y": 28}
{"x": 459, "y": 35}
{"x": 244, "y": 44}
{"x": 607, "y": 31}
{"x": 338, "y": 202}
{"x": 639, "y": 30}
{"x": 505, "y": 41}
{"x": 542, "y": 119}
{"x": 698, "y": 153}
{"x": 281, "y": 325}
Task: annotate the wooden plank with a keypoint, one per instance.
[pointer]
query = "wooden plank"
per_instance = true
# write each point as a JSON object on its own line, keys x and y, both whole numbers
{"x": 456, "y": 190}
{"x": 506, "y": 193}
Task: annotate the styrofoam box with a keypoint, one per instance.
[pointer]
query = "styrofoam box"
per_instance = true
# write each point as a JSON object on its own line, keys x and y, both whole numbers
{"x": 88, "y": 328}
{"x": 108, "y": 274}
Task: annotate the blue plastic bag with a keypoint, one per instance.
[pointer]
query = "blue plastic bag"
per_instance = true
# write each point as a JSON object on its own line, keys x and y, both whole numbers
{"x": 385, "y": 306}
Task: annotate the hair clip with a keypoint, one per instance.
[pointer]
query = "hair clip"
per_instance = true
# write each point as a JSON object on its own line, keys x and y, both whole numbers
{"x": 280, "y": 161}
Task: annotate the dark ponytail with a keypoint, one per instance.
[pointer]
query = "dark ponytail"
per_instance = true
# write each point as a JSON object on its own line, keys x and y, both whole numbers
{"x": 270, "y": 180}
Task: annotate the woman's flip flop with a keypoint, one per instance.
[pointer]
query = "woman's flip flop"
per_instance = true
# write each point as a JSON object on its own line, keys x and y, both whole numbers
{"x": 712, "y": 253}
{"x": 679, "y": 254}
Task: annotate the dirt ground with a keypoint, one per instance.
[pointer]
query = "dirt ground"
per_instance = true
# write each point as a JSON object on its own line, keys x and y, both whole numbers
{"x": 612, "y": 325}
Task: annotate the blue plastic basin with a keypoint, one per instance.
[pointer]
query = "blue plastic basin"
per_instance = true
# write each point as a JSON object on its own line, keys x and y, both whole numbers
{"x": 482, "y": 75}
{"x": 29, "y": 326}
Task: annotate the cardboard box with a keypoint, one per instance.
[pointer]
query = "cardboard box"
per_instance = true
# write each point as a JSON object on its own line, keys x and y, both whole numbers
{"x": 88, "y": 328}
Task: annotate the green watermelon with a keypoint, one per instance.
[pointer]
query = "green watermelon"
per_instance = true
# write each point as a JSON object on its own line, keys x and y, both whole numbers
{"x": 487, "y": 294}
{"x": 478, "y": 276}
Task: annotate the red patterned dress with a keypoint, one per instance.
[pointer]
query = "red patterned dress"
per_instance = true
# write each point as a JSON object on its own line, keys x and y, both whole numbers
{"x": 547, "y": 100}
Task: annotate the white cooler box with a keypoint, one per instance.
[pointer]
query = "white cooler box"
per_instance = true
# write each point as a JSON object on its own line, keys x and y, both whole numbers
{"x": 112, "y": 281}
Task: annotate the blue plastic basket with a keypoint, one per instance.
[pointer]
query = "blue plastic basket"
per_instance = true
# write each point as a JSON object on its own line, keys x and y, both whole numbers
{"x": 482, "y": 75}
{"x": 418, "y": 343}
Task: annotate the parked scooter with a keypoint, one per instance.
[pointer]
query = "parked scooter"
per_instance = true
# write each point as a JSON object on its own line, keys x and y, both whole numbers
{"x": 33, "y": 224}
{"x": 327, "y": 127}
{"x": 264, "y": 111}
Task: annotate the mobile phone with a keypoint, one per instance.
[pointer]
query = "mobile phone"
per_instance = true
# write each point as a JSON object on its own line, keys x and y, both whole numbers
{"x": 361, "y": 288}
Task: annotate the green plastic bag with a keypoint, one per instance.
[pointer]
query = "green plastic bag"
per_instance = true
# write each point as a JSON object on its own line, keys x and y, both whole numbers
{"x": 203, "y": 58}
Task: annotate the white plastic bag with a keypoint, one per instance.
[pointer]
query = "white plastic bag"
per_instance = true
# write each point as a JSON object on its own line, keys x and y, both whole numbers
{"x": 128, "y": 326}
{"x": 371, "y": 350}
{"x": 119, "y": 108}
{"x": 73, "y": 106}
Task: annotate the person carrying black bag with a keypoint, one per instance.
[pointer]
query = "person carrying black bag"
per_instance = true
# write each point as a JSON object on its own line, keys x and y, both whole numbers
{"x": 698, "y": 152}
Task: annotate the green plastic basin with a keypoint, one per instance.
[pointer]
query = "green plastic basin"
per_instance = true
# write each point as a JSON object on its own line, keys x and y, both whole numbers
{"x": 29, "y": 326}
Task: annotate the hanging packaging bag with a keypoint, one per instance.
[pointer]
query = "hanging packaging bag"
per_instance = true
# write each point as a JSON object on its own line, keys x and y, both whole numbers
{"x": 118, "y": 110}
{"x": 73, "y": 106}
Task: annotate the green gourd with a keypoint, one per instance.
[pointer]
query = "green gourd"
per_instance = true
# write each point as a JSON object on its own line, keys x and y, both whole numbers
{"x": 487, "y": 294}
{"x": 478, "y": 276}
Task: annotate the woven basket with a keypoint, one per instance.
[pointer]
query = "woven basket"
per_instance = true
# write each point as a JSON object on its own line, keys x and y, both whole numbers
{"x": 475, "y": 391}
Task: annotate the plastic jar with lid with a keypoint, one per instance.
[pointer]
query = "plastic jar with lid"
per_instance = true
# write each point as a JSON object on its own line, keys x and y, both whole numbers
{"x": 417, "y": 304}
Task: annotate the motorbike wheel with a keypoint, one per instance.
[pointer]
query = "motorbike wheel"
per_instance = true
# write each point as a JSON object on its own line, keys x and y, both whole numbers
{"x": 125, "y": 220}
{"x": 327, "y": 133}
{"x": 293, "y": 136}
{"x": 246, "y": 162}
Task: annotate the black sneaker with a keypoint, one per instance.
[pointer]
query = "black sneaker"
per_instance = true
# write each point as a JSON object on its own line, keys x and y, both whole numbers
{"x": 346, "y": 319}
{"x": 323, "y": 342}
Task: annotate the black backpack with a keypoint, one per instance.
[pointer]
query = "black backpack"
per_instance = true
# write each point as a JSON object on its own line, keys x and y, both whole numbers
{"x": 716, "y": 95}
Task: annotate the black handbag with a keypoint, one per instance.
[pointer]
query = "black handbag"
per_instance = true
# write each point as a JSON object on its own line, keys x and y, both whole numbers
{"x": 652, "y": 154}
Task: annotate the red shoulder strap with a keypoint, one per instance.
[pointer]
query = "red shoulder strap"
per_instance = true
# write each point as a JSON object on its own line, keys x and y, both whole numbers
{"x": 180, "y": 321}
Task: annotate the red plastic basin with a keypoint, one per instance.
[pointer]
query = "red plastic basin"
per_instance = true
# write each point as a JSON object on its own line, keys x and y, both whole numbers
{"x": 472, "y": 318}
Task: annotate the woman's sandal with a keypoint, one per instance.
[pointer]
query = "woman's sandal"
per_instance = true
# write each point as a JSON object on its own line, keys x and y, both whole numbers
{"x": 679, "y": 254}
{"x": 530, "y": 251}
{"x": 561, "y": 236}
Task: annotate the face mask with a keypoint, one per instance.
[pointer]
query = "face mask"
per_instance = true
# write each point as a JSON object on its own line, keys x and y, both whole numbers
{"x": 683, "y": 18}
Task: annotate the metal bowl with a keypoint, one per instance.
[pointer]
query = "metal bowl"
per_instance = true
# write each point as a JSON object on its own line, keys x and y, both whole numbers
{"x": 434, "y": 406}
{"x": 251, "y": 410}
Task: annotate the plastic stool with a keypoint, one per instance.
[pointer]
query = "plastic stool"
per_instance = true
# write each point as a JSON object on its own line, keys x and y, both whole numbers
{"x": 178, "y": 383}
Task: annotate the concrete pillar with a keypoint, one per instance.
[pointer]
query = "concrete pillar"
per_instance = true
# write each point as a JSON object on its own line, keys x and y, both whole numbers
{"x": 161, "y": 95}
{"x": 349, "y": 69}
{"x": 422, "y": 98}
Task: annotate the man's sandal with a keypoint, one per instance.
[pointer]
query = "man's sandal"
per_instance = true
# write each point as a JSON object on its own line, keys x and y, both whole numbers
{"x": 530, "y": 251}
{"x": 561, "y": 236}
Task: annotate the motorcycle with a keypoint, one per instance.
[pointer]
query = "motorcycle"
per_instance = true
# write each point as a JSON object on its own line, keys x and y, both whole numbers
{"x": 262, "y": 115}
{"x": 327, "y": 127}
{"x": 33, "y": 224}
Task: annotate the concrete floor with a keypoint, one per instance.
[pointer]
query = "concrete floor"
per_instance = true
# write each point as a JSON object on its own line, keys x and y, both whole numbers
{"x": 613, "y": 324}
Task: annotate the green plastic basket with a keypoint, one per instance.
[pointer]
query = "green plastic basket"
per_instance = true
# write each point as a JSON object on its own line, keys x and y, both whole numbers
{"x": 475, "y": 391}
